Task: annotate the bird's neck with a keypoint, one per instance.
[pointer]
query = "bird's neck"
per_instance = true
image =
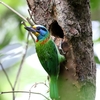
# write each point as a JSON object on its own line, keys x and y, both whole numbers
{"x": 45, "y": 39}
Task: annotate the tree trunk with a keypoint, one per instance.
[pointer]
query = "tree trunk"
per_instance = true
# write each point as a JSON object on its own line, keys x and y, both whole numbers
{"x": 70, "y": 19}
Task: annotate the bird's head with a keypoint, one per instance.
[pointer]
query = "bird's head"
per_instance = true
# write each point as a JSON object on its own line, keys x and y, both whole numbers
{"x": 39, "y": 31}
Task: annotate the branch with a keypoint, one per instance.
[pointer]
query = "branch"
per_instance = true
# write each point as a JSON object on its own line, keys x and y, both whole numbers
{"x": 13, "y": 10}
{"x": 8, "y": 80}
{"x": 6, "y": 75}
{"x": 22, "y": 17}
{"x": 22, "y": 61}
{"x": 24, "y": 92}
{"x": 31, "y": 17}
{"x": 35, "y": 86}
{"x": 38, "y": 84}
{"x": 28, "y": 32}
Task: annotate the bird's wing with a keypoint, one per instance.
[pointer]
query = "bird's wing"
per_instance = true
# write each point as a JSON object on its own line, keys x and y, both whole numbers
{"x": 49, "y": 59}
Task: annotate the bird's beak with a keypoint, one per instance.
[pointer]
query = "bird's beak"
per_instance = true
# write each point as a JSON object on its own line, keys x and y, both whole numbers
{"x": 33, "y": 30}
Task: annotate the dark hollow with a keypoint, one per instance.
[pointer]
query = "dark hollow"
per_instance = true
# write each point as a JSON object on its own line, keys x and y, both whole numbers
{"x": 56, "y": 30}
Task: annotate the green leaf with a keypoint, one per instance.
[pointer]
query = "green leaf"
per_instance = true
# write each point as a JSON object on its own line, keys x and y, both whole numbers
{"x": 95, "y": 4}
{"x": 97, "y": 60}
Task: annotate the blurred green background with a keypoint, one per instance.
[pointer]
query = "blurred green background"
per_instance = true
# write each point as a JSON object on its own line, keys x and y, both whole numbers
{"x": 13, "y": 39}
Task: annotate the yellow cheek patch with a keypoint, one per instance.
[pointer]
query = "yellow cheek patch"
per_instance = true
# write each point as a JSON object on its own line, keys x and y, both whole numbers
{"x": 36, "y": 34}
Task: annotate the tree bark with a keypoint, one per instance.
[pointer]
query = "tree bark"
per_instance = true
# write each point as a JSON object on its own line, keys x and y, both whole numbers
{"x": 70, "y": 20}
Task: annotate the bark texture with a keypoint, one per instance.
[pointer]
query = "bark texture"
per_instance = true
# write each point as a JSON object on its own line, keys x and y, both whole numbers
{"x": 70, "y": 20}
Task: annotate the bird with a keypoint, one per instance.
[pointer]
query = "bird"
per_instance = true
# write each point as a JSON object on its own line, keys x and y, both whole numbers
{"x": 49, "y": 56}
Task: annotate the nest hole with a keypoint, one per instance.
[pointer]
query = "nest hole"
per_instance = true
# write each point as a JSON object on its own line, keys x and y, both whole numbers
{"x": 56, "y": 30}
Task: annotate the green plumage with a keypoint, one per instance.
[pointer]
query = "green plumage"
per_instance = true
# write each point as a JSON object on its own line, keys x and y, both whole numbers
{"x": 50, "y": 59}
{"x": 49, "y": 56}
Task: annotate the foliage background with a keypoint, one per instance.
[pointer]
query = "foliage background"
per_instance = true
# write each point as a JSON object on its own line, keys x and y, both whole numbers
{"x": 13, "y": 39}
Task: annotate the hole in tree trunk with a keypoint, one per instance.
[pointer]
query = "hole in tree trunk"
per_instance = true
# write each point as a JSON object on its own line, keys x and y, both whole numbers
{"x": 56, "y": 30}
